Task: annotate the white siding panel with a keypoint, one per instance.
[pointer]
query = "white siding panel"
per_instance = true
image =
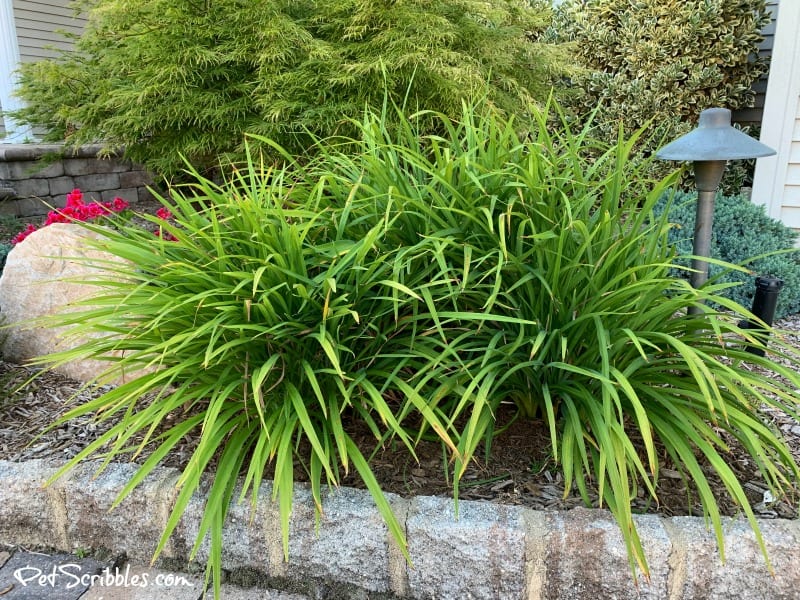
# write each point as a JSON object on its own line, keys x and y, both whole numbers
{"x": 755, "y": 114}
{"x": 791, "y": 217}
{"x": 793, "y": 175}
{"x": 791, "y": 196}
{"x": 54, "y": 8}
{"x": 44, "y": 22}
{"x": 794, "y": 153}
{"x": 778, "y": 177}
{"x": 31, "y": 52}
{"x": 36, "y": 37}
{"x": 37, "y": 23}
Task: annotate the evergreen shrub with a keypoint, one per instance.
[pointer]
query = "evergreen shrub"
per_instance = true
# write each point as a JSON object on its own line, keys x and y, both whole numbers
{"x": 662, "y": 61}
{"x": 165, "y": 78}
{"x": 4, "y": 250}
{"x": 741, "y": 235}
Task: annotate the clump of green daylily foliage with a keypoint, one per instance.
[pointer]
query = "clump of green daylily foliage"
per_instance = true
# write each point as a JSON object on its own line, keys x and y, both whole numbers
{"x": 414, "y": 283}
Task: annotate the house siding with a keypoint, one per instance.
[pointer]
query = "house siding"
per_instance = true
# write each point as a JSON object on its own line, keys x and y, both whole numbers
{"x": 777, "y": 179}
{"x": 754, "y": 114}
{"x": 790, "y": 208}
{"x": 38, "y": 23}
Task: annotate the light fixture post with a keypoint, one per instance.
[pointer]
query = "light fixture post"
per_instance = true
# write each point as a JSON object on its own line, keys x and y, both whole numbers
{"x": 709, "y": 147}
{"x": 707, "y": 176}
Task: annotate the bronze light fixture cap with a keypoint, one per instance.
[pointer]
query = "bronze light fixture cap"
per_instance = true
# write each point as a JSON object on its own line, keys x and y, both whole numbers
{"x": 714, "y": 139}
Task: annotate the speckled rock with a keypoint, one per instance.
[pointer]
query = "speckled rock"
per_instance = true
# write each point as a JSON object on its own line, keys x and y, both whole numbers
{"x": 33, "y": 285}
{"x": 485, "y": 541}
{"x": 587, "y": 557}
{"x": 744, "y": 574}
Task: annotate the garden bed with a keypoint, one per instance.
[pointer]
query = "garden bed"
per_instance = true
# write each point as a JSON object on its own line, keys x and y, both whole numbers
{"x": 520, "y": 472}
{"x": 290, "y": 326}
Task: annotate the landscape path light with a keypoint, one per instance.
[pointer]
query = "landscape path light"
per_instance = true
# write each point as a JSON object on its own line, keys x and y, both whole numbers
{"x": 709, "y": 147}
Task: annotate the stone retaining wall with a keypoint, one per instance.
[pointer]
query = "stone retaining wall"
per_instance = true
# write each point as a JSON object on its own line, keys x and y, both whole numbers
{"x": 36, "y": 177}
{"x": 490, "y": 551}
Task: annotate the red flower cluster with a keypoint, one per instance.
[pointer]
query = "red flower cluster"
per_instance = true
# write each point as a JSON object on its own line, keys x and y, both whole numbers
{"x": 165, "y": 214}
{"x": 23, "y": 234}
{"x": 76, "y": 210}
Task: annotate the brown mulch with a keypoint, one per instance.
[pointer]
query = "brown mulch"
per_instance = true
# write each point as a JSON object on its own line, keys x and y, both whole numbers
{"x": 521, "y": 470}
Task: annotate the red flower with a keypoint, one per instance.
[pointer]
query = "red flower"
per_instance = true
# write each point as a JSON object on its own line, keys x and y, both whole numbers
{"x": 55, "y": 217}
{"x": 75, "y": 198}
{"x": 23, "y": 234}
{"x": 94, "y": 211}
{"x": 65, "y": 215}
{"x": 165, "y": 235}
{"x": 118, "y": 204}
{"x": 76, "y": 210}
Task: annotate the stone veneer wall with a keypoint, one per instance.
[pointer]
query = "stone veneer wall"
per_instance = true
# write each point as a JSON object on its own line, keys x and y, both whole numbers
{"x": 36, "y": 177}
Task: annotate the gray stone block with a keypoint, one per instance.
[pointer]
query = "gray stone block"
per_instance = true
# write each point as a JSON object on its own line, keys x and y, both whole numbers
{"x": 32, "y": 187}
{"x": 61, "y": 185}
{"x": 59, "y": 201}
{"x": 130, "y": 195}
{"x": 22, "y": 152}
{"x": 586, "y": 557}
{"x": 145, "y": 195}
{"x": 337, "y": 550}
{"x": 250, "y": 540}
{"x": 183, "y": 537}
{"x": 94, "y": 166}
{"x": 232, "y": 592}
{"x": 29, "y": 207}
{"x": 744, "y": 575}
{"x": 10, "y": 208}
{"x": 78, "y": 167}
{"x": 89, "y": 151}
{"x": 479, "y": 555}
{"x": 27, "y": 169}
{"x": 31, "y": 514}
{"x": 135, "y": 525}
{"x": 97, "y": 182}
{"x": 135, "y": 179}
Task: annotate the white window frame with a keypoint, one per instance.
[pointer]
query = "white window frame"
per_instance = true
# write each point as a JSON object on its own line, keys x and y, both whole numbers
{"x": 9, "y": 63}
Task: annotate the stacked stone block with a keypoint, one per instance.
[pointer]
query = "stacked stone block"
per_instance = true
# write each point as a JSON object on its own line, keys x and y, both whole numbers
{"x": 34, "y": 178}
{"x": 487, "y": 551}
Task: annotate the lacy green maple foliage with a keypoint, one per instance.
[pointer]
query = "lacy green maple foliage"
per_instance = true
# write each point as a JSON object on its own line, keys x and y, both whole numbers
{"x": 166, "y": 78}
